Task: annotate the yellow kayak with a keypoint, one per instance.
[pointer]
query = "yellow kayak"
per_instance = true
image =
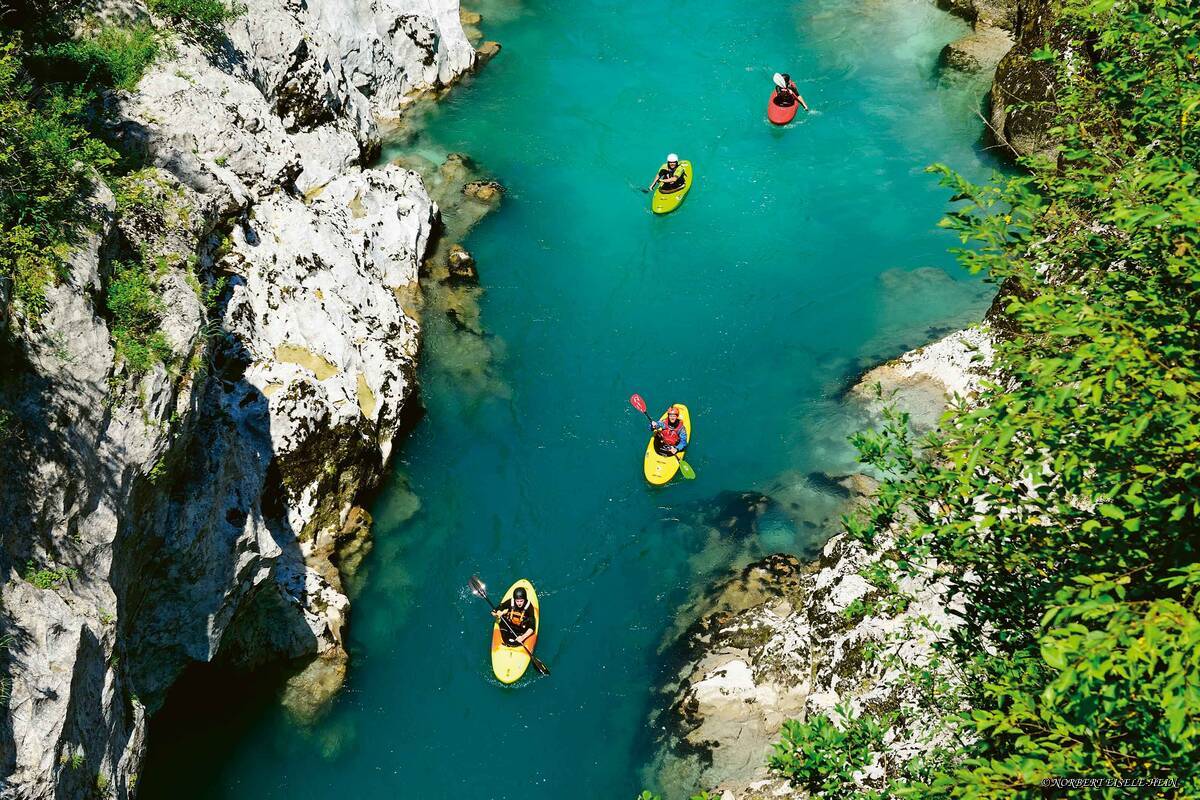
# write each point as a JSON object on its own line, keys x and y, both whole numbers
{"x": 660, "y": 469}
{"x": 510, "y": 663}
{"x": 666, "y": 203}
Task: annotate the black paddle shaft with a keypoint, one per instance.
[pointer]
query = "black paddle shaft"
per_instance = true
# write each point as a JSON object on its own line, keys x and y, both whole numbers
{"x": 482, "y": 593}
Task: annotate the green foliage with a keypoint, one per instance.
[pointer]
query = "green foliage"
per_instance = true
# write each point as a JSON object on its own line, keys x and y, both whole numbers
{"x": 1064, "y": 502}
{"x": 137, "y": 312}
{"x": 111, "y": 57}
{"x": 75, "y": 761}
{"x": 203, "y": 18}
{"x": 822, "y": 756}
{"x": 48, "y": 577}
{"x": 856, "y": 612}
{"x": 134, "y": 191}
{"x": 645, "y": 795}
{"x": 52, "y": 83}
{"x": 47, "y": 156}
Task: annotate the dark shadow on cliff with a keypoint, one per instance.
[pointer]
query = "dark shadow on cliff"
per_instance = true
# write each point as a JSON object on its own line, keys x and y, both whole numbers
{"x": 211, "y": 711}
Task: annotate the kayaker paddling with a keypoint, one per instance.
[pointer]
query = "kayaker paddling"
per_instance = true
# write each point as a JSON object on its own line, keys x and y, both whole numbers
{"x": 519, "y": 616}
{"x": 670, "y": 434}
{"x": 664, "y": 452}
{"x": 515, "y": 632}
{"x": 786, "y": 94}
{"x": 671, "y": 176}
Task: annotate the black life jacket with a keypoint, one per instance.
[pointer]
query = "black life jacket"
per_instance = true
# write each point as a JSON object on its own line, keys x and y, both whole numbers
{"x": 518, "y": 616}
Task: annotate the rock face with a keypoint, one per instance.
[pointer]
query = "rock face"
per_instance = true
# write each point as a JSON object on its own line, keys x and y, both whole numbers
{"x": 1023, "y": 89}
{"x": 991, "y": 35}
{"x": 785, "y": 640}
{"x": 197, "y": 510}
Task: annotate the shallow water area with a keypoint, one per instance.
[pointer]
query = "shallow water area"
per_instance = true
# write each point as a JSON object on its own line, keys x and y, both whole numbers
{"x": 801, "y": 255}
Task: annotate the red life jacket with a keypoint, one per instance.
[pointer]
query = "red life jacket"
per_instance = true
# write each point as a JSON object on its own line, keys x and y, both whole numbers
{"x": 669, "y": 435}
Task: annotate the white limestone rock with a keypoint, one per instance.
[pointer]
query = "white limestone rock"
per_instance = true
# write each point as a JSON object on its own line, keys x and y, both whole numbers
{"x": 193, "y": 511}
{"x": 924, "y": 381}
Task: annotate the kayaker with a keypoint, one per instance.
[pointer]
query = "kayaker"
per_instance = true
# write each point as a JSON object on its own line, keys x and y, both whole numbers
{"x": 786, "y": 92}
{"x": 670, "y": 175}
{"x": 670, "y": 437}
{"x": 520, "y": 618}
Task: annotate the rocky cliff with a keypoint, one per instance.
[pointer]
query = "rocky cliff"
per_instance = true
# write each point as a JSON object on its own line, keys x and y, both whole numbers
{"x": 195, "y": 510}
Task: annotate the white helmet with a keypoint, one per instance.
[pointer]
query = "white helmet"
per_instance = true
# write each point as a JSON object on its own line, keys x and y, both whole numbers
{"x": 672, "y": 157}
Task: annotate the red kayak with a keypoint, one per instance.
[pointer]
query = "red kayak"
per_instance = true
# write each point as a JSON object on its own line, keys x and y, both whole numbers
{"x": 782, "y": 115}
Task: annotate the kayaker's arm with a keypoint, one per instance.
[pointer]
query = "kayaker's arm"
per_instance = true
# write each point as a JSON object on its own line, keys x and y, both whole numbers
{"x": 796, "y": 92}
{"x": 654, "y": 183}
{"x": 683, "y": 440}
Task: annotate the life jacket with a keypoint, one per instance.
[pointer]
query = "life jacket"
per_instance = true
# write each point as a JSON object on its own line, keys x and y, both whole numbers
{"x": 678, "y": 173}
{"x": 518, "y": 616}
{"x": 670, "y": 436}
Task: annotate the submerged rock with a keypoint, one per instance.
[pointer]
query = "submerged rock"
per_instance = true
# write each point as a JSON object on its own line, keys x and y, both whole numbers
{"x": 978, "y": 52}
{"x": 485, "y": 191}
{"x": 737, "y": 513}
{"x": 461, "y": 265}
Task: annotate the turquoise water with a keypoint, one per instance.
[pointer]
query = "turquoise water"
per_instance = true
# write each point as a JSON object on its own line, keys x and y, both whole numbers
{"x": 801, "y": 255}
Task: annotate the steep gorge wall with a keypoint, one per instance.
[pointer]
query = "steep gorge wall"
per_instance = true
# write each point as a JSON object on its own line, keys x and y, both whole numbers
{"x": 195, "y": 511}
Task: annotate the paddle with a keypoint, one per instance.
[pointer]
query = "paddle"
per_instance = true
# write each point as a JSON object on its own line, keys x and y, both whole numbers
{"x": 782, "y": 84}
{"x": 479, "y": 590}
{"x": 637, "y": 402}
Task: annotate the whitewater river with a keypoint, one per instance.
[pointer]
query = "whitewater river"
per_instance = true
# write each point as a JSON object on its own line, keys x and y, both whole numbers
{"x": 801, "y": 256}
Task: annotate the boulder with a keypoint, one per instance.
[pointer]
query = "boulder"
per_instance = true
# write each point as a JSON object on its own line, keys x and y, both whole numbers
{"x": 484, "y": 191}
{"x": 486, "y": 52}
{"x": 461, "y": 265}
{"x": 977, "y": 52}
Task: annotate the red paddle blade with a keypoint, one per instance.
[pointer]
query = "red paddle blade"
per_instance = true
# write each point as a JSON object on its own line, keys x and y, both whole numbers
{"x": 637, "y": 402}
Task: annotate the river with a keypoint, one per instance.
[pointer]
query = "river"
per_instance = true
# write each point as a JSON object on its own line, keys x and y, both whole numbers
{"x": 802, "y": 255}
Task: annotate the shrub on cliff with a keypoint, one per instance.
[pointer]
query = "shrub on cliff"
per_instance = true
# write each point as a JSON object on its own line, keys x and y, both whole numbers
{"x": 202, "y": 18}
{"x": 137, "y": 312}
{"x": 47, "y": 160}
{"x": 1065, "y": 502}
